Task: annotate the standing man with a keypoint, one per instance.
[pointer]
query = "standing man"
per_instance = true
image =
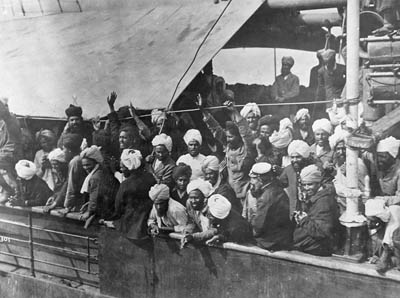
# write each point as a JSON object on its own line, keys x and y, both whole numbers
{"x": 271, "y": 225}
{"x": 76, "y": 125}
{"x": 286, "y": 87}
{"x": 10, "y": 150}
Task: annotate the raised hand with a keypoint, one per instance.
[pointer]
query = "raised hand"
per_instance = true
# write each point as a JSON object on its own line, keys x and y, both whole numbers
{"x": 111, "y": 99}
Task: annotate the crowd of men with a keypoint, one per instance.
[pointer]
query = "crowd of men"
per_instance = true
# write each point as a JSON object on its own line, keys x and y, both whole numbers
{"x": 278, "y": 183}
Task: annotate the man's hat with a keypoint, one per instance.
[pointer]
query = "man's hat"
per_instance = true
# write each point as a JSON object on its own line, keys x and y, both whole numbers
{"x": 260, "y": 168}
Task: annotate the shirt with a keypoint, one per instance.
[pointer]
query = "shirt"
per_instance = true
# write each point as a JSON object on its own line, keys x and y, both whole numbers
{"x": 176, "y": 217}
{"x": 194, "y": 163}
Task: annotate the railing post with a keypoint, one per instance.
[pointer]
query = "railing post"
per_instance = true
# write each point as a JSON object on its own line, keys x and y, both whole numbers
{"x": 88, "y": 255}
{"x": 31, "y": 244}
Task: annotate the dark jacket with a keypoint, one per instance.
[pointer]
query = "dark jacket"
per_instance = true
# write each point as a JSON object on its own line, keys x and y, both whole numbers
{"x": 234, "y": 228}
{"x": 316, "y": 233}
{"x": 174, "y": 195}
{"x": 297, "y": 135}
{"x": 330, "y": 83}
{"x": 163, "y": 172}
{"x": 35, "y": 192}
{"x": 224, "y": 189}
{"x": 272, "y": 227}
{"x": 133, "y": 205}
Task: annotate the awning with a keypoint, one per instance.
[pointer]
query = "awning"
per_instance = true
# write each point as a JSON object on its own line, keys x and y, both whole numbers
{"x": 140, "y": 50}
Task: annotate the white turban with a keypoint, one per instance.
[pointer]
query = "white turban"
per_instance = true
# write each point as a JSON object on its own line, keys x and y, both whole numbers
{"x": 377, "y": 207}
{"x": 25, "y": 169}
{"x": 162, "y": 139}
{"x": 299, "y": 147}
{"x": 204, "y": 186}
{"x": 93, "y": 152}
{"x": 219, "y": 206}
{"x": 285, "y": 123}
{"x": 250, "y": 107}
{"x": 323, "y": 124}
{"x": 58, "y": 155}
{"x": 311, "y": 174}
{"x": 282, "y": 138}
{"x": 339, "y": 136}
{"x": 192, "y": 135}
{"x": 132, "y": 159}
{"x": 159, "y": 192}
{"x": 390, "y": 145}
{"x": 301, "y": 113}
{"x": 349, "y": 122}
{"x": 156, "y": 115}
{"x": 210, "y": 162}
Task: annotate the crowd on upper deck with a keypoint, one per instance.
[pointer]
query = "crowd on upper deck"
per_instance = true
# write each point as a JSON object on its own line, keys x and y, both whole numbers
{"x": 277, "y": 180}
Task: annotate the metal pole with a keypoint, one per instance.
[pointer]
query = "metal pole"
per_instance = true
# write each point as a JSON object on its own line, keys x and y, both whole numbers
{"x": 31, "y": 244}
{"x": 274, "y": 63}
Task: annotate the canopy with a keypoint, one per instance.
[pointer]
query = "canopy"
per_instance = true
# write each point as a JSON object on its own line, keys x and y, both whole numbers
{"x": 138, "y": 48}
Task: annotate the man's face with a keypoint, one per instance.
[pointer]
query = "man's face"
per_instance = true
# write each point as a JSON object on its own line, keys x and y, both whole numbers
{"x": 285, "y": 70}
{"x": 161, "y": 207}
{"x": 161, "y": 153}
{"x": 159, "y": 123}
{"x": 211, "y": 176}
{"x": 297, "y": 161}
{"x": 385, "y": 161}
{"x": 266, "y": 131}
{"x": 55, "y": 165}
{"x": 211, "y": 218}
{"x": 252, "y": 120}
{"x": 309, "y": 188}
{"x": 304, "y": 122}
{"x": 68, "y": 154}
{"x": 88, "y": 164}
{"x": 256, "y": 186}
{"x": 193, "y": 148}
{"x": 182, "y": 182}
{"x": 340, "y": 153}
{"x": 45, "y": 144}
{"x": 196, "y": 199}
{"x": 74, "y": 123}
{"x": 321, "y": 137}
{"x": 232, "y": 140}
{"x": 125, "y": 140}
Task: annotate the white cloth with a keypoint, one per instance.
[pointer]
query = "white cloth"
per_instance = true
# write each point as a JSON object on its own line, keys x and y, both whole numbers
{"x": 58, "y": 155}
{"x": 311, "y": 174}
{"x": 250, "y": 107}
{"x": 159, "y": 192}
{"x": 92, "y": 152}
{"x": 132, "y": 159}
{"x": 195, "y": 163}
{"x": 47, "y": 175}
{"x": 323, "y": 124}
{"x": 162, "y": 139}
{"x": 25, "y": 169}
{"x": 340, "y": 135}
{"x": 193, "y": 135}
{"x": 156, "y": 115}
{"x": 377, "y": 208}
{"x": 85, "y": 185}
{"x": 390, "y": 145}
{"x": 176, "y": 217}
{"x": 299, "y": 147}
{"x": 219, "y": 206}
{"x": 392, "y": 225}
{"x": 302, "y": 113}
{"x": 210, "y": 162}
{"x": 204, "y": 186}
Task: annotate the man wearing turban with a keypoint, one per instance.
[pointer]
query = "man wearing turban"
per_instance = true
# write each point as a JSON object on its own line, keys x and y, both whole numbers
{"x": 321, "y": 150}
{"x": 302, "y": 127}
{"x": 331, "y": 78}
{"x": 299, "y": 154}
{"x": 389, "y": 170}
{"x": 76, "y": 125}
{"x": 251, "y": 112}
{"x": 226, "y": 224}
{"x": 47, "y": 141}
{"x": 212, "y": 174}
{"x": 271, "y": 225}
{"x": 167, "y": 215}
{"x": 132, "y": 202}
{"x": 286, "y": 87}
{"x": 316, "y": 216}
{"x": 181, "y": 176}
{"x": 99, "y": 187}
{"x": 194, "y": 158}
{"x": 160, "y": 164}
{"x": 268, "y": 125}
{"x": 31, "y": 190}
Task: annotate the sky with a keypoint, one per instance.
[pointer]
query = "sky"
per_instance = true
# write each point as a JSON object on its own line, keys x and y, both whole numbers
{"x": 256, "y": 65}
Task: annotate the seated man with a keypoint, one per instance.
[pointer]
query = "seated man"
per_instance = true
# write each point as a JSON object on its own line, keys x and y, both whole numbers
{"x": 226, "y": 224}
{"x": 167, "y": 214}
{"x": 389, "y": 219}
{"x": 317, "y": 218}
{"x": 272, "y": 228}
{"x": 31, "y": 190}
{"x": 196, "y": 208}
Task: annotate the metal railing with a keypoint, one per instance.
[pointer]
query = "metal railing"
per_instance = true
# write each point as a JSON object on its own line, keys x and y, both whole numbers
{"x": 90, "y": 258}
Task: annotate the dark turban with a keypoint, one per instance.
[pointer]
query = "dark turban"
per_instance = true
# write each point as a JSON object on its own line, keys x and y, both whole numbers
{"x": 72, "y": 141}
{"x": 73, "y": 111}
{"x": 181, "y": 170}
